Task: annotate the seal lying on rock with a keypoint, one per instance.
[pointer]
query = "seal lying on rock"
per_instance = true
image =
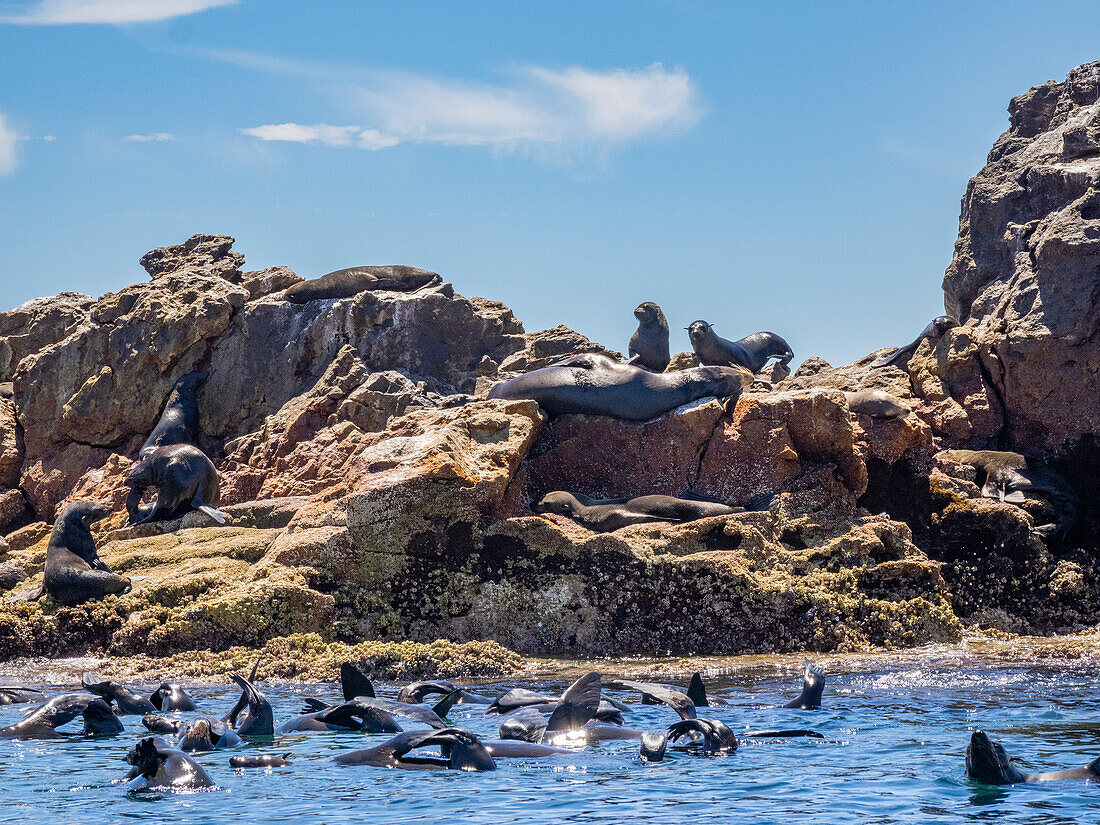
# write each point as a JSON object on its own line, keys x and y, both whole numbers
{"x": 158, "y": 765}
{"x": 460, "y": 750}
{"x": 595, "y": 385}
{"x": 74, "y": 572}
{"x": 344, "y": 283}
{"x": 185, "y": 480}
{"x": 752, "y": 352}
{"x": 649, "y": 344}
{"x": 987, "y": 761}
{"x": 876, "y": 404}
{"x": 935, "y": 329}
{"x": 1011, "y": 477}
{"x": 604, "y": 515}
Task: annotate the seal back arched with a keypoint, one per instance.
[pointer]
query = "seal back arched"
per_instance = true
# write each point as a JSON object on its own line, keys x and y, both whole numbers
{"x": 185, "y": 480}
{"x": 179, "y": 422}
{"x": 74, "y": 572}
{"x": 344, "y": 283}
{"x": 751, "y": 352}
{"x": 649, "y": 344}
{"x": 936, "y": 328}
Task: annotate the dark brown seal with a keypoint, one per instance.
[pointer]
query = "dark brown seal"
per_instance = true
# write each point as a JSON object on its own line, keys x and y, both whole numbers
{"x": 604, "y": 515}
{"x": 988, "y": 762}
{"x": 649, "y": 344}
{"x": 876, "y": 404}
{"x": 185, "y": 480}
{"x": 752, "y": 352}
{"x": 179, "y": 423}
{"x": 936, "y": 328}
{"x": 74, "y": 572}
{"x": 344, "y": 283}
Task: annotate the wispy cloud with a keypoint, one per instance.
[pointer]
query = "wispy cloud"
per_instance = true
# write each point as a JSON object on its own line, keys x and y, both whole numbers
{"x": 116, "y": 12}
{"x": 153, "y": 138}
{"x": 570, "y": 110}
{"x": 8, "y": 140}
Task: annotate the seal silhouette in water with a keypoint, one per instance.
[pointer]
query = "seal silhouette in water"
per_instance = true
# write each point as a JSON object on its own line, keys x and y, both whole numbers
{"x": 604, "y": 515}
{"x": 752, "y": 352}
{"x": 596, "y": 385}
{"x": 813, "y": 684}
{"x": 460, "y": 750}
{"x": 344, "y": 283}
{"x": 987, "y": 761}
{"x": 159, "y": 765}
{"x": 354, "y": 715}
{"x": 185, "y": 480}
{"x": 74, "y": 572}
{"x": 179, "y": 422}
{"x": 129, "y": 703}
{"x": 252, "y": 714}
{"x": 649, "y": 344}
{"x": 936, "y": 328}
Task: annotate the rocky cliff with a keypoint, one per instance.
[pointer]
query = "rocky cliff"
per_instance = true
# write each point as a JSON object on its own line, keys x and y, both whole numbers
{"x": 369, "y": 498}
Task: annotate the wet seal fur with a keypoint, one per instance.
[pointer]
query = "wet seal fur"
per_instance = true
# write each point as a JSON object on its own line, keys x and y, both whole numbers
{"x": 813, "y": 684}
{"x": 344, "y": 283}
{"x": 649, "y": 344}
{"x": 185, "y": 480}
{"x": 605, "y": 515}
{"x": 595, "y": 385}
{"x": 129, "y": 703}
{"x": 179, "y": 422}
{"x": 936, "y": 328}
{"x": 876, "y": 404}
{"x": 1010, "y": 477}
{"x": 266, "y": 760}
{"x": 752, "y": 352}
{"x": 158, "y": 765}
{"x": 74, "y": 572}
{"x": 459, "y": 750}
{"x": 988, "y": 762}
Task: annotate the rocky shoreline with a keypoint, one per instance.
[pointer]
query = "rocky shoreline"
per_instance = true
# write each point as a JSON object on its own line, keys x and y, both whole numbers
{"x": 366, "y": 505}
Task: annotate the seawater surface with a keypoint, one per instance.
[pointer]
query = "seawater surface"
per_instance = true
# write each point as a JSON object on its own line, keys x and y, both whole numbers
{"x": 895, "y": 738}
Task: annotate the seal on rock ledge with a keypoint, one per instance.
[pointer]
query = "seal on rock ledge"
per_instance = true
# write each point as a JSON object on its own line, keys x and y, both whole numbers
{"x": 74, "y": 572}
{"x": 595, "y": 385}
{"x": 936, "y": 328}
{"x": 605, "y": 515}
{"x": 344, "y": 283}
{"x": 185, "y": 480}
{"x": 752, "y": 352}
{"x": 649, "y": 344}
{"x": 179, "y": 423}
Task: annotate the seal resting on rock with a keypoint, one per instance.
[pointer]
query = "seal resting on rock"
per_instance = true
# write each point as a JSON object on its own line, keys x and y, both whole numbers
{"x": 74, "y": 572}
{"x": 649, "y": 344}
{"x": 987, "y": 761}
{"x": 1011, "y": 477}
{"x": 185, "y": 480}
{"x": 344, "y": 283}
{"x": 876, "y": 404}
{"x": 604, "y": 515}
{"x": 179, "y": 423}
{"x": 935, "y": 328}
{"x": 595, "y": 385}
{"x": 752, "y": 352}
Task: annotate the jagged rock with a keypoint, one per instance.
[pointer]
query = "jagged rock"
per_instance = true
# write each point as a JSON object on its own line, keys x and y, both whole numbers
{"x": 11, "y": 457}
{"x": 37, "y": 324}
{"x": 263, "y": 282}
{"x": 541, "y": 349}
{"x": 199, "y": 255}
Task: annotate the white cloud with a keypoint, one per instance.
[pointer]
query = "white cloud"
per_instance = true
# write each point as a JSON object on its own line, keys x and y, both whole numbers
{"x": 8, "y": 140}
{"x": 153, "y": 138}
{"x": 61, "y": 12}
{"x": 543, "y": 109}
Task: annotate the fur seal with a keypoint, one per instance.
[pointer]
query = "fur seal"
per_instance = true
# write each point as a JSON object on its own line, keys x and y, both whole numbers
{"x": 432, "y": 716}
{"x": 355, "y": 715}
{"x": 706, "y": 737}
{"x": 19, "y": 695}
{"x": 876, "y": 404}
{"x": 605, "y": 515}
{"x": 206, "y": 734}
{"x": 415, "y": 693}
{"x": 649, "y": 344}
{"x": 752, "y": 352}
{"x": 42, "y": 722}
{"x": 988, "y": 762}
{"x": 179, "y": 422}
{"x": 1011, "y": 477}
{"x": 519, "y": 749}
{"x": 169, "y": 697}
{"x": 158, "y": 765}
{"x": 663, "y": 694}
{"x": 595, "y": 385}
{"x": 100, "y": 720}
{"x": 185, "y": 480}
{"x": 155, "y": 723}
{"x": 813, "y": 684}
{"x": 344, "y": 283}
{"x": 129, "y": 703}
{"x": 74, "y": 572}
{"x": 266, "y": 760}
{"x": 936, "y": 328}
{"x": 252, "y": 715}
{"x": 460, "y": 750}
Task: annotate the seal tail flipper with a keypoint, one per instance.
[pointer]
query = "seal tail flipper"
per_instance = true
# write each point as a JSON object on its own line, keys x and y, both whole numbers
{"x": 781, "y": 734}
{"x": 443, "y": 707}
{"x": 199, "y": 504}
{"x": 1015, "y": 497}
{"x": 314, "y": 705}
{"x": 653, "y": 745}
{"x": 697, "y": 691}
{"x": 32, "y": 595}
{"x": 578, "y": 705}
{"x": 354, "y": 682}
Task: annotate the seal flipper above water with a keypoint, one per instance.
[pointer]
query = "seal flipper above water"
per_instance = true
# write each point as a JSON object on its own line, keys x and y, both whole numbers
{"x": 578, "y": 705}
{"x": 679, "y": 702}
{"x": 355, "y": 682}
{"x": 813, "y": 683}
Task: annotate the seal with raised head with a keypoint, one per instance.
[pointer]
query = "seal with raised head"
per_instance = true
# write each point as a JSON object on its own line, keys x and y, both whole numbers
{"x": 159, "y": 765}
{"x": 813, "y": 684}
{"x": 876, "y": 404}
{"x": 185, "y": 480}
{"x": 179, "y": 422}
{"x": 936, "y": 328}
{"x": 1012, "y": 477}
{"x": 170, "y": 696}
{"x": 988, "y": 762}
{"x": 649, "y": 344}
{"x": 344, "y": 283}
{"x": 605, "y": 515}
{"x": 752, "y": 352}
{"x": 74, "y": 572}
{"x": 595, "y": 385}
{"x": 129, "y": 703}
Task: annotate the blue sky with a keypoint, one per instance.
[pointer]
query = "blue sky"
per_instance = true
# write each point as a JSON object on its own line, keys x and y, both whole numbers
{"x": 792, "y": 167}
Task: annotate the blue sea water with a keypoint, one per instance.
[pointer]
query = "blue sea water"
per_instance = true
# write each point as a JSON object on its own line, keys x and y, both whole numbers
{"x": 895, "y": 739}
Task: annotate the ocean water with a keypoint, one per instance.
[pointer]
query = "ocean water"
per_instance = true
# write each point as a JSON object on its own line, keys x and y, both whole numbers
{"x": 895, "y": 740}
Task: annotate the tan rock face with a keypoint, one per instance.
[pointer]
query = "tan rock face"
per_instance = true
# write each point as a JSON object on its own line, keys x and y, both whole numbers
{"x": 38, "y": 324}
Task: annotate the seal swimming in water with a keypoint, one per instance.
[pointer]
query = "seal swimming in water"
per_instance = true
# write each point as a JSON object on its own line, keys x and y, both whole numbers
{"x": 936, "y": 328}
{"x": 813, "y": 684}
{"x": 185, "y": 480}
{"x": 987, "y": 761}
{"x": 252, "y": 715}
{"x": 605, "y": 515}
{"x": 415, "y": 693}
{"x": 344, "y": 283}
{"x": 876, "y": 404}
{"x": 179, "y": 422}
{"x": 155, "y": 723}
{"x": 266, "y": 760}
{"x": 169, "y": 696}
{"x": 595, "y": 385}
{"x": 752, "y": 352}
{"x": 649, "y": 344}
{"x": 706, "y": 737}
{"x": 19, "y": 695}
{"x": 1010, "y": 477}
{"x": 206, "y": 734}
{"x": 354, "y": 715}
{"x": 129, "y": 703}
{"x": 460, "y": 750}
{"x": 42, "y": 722}
{"x": 74, "y": 572}
{"x": 158, "y": 765}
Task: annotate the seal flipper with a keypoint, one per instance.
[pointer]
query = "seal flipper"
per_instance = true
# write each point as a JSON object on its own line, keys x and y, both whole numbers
{"x": 697, "y": 692}
{"x": 781, "y": 734}
{"x": 653, "y": 745}
{"x": 199, "y": 504}
{"x": 578, "y": 705}
{"x": 354, "y": 682}
{"x": 813, "y": 684}
{"x": 31, "y": 595}
{"x": 443, "y": 707}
